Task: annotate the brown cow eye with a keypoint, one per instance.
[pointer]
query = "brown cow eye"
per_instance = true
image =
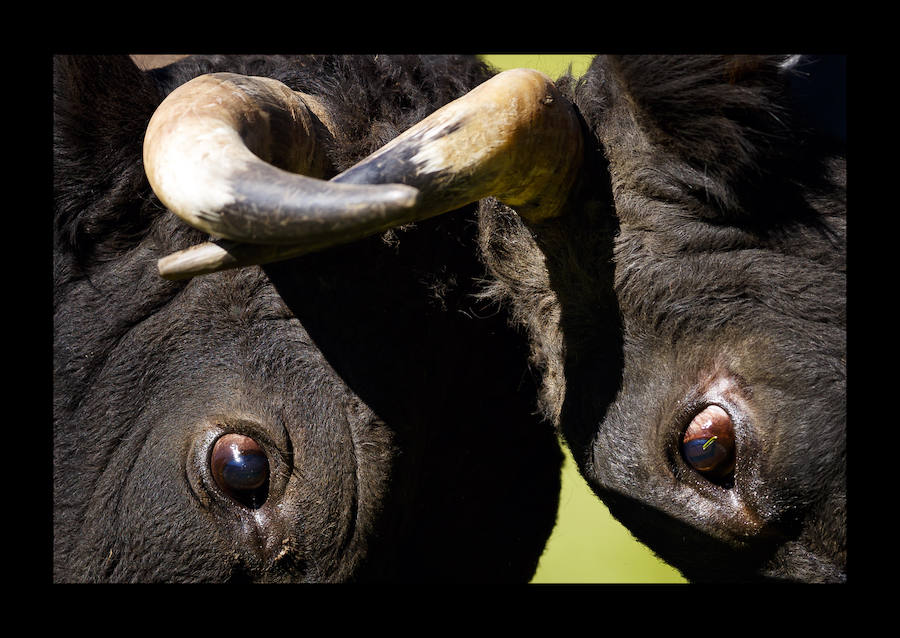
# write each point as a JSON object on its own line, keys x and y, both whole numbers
{"x": 240, "y": 468}
{"x": 708, "y": 444}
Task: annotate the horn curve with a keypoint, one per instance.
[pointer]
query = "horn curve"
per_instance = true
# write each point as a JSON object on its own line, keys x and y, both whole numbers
{"x": 225, "y": 152}
{"x": 514, "y": 137}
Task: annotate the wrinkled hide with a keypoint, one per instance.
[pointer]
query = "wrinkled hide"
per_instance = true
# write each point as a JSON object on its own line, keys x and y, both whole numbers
{"x": 396, "y": 410}
{"x": 702, "y": 262}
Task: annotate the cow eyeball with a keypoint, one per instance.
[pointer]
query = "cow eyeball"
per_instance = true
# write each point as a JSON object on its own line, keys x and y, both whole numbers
{"x": 240, "y": 468}
{"x": 708, "y": 444}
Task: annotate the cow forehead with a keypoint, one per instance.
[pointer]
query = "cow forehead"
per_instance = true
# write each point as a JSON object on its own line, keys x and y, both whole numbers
{"x": 760, "y": 285}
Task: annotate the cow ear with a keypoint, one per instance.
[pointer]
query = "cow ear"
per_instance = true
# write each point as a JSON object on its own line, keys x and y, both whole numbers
{"x": 101, "y": 107}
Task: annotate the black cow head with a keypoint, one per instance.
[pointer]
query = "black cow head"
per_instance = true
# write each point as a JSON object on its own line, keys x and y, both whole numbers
{"x": 724, "y": 448}
{"x": 356, "y": 414}
{"x": 670, "y": 232}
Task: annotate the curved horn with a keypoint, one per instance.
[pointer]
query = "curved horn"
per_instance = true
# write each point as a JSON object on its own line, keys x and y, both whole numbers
{"x": 223, "y": 152}
{"x": 223, "y": 254}
{"x": 514, "y": 137}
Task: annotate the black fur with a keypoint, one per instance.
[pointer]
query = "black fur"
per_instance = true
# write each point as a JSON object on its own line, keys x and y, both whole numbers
{"x": 396, "y": 409}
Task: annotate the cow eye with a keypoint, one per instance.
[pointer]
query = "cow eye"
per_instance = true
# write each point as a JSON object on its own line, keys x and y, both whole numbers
{"x": 708, "y": 444}
{"x": 240, "y": 468}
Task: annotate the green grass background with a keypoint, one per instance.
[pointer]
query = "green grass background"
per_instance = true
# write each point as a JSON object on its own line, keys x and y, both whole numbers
{"x": 587, "y": 545}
